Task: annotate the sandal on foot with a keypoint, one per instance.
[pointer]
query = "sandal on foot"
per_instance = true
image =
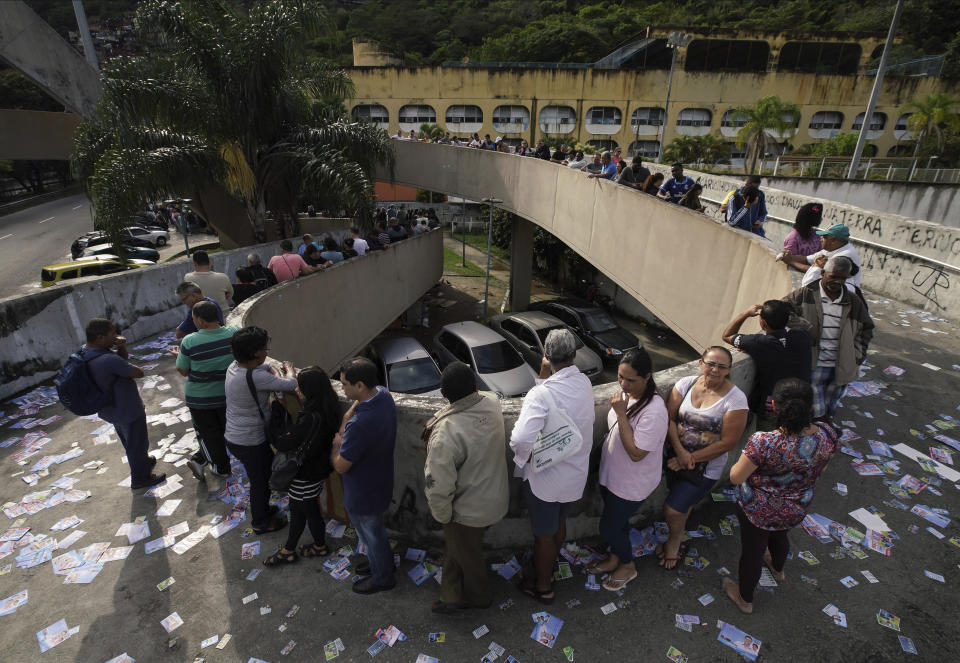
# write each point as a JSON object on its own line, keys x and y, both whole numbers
{"x": 536, "y": 594}
{"x": 279, "y": 558}
{"x": 612, "y": 584}
{"x": 671, "y": 567}
{"x": 597, "y": 571}
{"x": 681, "y": 553}
{"x": 313, "y": 550}
{"x": 779, "y": 576}
{"x": 732, "y": 590}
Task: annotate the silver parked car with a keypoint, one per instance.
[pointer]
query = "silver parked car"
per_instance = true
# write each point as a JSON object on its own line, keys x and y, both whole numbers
{"x": 527, "y": 331}
{"x": 404, "y": 366}
{"x": 496, "y": 364}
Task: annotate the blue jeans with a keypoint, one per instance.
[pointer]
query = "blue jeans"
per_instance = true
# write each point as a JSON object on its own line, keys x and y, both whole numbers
{"x": 373, "y": 534}
{"x": 133, "y": 437}
{"x": 615, "y": 524}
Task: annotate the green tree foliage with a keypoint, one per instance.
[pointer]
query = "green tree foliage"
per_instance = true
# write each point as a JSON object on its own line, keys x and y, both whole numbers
{"x": 841, "y": 145}
{"x": 696, "y": 150}
{"x": 226, "y": 99}
{"x": 932, "y": 117}
{"x": 769, "y": 115}
{"x": 19, "y": 92}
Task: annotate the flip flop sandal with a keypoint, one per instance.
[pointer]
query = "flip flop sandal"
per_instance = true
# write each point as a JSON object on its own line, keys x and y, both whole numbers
{"x": 278, "y": 558}
{"x": 612, "y": 584}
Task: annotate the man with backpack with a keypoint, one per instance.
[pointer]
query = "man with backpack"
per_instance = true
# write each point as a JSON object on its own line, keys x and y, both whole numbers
{"x": 109, "y": 371}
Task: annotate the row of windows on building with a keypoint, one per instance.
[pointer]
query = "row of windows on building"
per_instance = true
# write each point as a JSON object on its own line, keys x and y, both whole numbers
{"x": 559, "y": 119}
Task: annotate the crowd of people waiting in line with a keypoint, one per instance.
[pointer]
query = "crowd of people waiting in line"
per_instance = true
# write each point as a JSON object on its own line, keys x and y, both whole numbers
{"x": 810, "y": 346}
{"x": 392, "y": 224}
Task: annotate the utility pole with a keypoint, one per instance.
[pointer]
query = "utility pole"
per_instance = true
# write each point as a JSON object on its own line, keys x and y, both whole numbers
{"x": 674, "y": 41}
{"x": 84, "y": 29}
{"x": 486, "y": 289}
{"x": 874, "y": 93}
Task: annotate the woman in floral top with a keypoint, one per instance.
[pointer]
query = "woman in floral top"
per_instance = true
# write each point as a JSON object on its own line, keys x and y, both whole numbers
{"x": 776, "y": 476}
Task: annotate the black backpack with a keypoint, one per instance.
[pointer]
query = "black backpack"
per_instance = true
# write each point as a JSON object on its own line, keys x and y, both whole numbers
{"x": 76, "y": 389}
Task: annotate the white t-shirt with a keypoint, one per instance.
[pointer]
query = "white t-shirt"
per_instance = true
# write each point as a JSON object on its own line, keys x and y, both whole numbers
{"x": 701, "y": 427}
{"x": 564, "y": 481}
{"x": 847, "y": 251}
{"x": 360, "y": 245}
{"x": 214, "y": 285}
{"x": 625, "y": 478}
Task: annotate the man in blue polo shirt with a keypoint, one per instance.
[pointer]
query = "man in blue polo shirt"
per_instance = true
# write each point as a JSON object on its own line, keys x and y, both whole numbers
{"x": 674, "y": 188}
{"x": 363, "y": 455}
{"x": 190, "y": 293}
{"x": 608, "y": 169}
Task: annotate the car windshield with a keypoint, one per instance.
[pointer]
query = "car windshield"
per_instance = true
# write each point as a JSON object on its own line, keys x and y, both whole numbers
{"x": 496, "y": 357}
{"x": 542, "y": 333}
{"x": 598, "y": 321}
{"x": 414, "y": 376}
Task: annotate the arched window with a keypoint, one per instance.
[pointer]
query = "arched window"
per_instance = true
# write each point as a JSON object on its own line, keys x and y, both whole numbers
{"x": 460, "y": 118}
{"x": 646, "y": 121}
{"x": 877, "y": 124}
{"x": 511, "y": 119}
{"x": 645, "y": 148}
{"x": 694, "y": 121}
{"x": 900, "y": 130}
{"x": 558, "y": 119}
{"x": 604, "y": 120}
{"x": 413, "y": 115}
{"x": 825, "y": 124}
{"x": 373, "y": 113}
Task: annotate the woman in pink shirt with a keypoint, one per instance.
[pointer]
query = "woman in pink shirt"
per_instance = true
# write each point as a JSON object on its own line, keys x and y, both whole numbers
{"x": 631, "y": 462}
{"x": 803, "y": 240}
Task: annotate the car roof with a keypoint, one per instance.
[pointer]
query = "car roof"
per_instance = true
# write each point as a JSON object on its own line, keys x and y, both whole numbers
{"x": 398, "y": 348}
{"x": 536, "y": 319}
{"x": 473, "y": 332}
{"x": 572, "y": 304}
{"x": 83, "y": 261}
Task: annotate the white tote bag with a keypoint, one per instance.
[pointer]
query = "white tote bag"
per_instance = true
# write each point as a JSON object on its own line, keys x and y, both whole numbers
{"x": 559, "y": 438}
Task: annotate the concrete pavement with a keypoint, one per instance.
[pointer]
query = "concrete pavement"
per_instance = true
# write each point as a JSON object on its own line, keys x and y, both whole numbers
{"x": 121, "y": 609}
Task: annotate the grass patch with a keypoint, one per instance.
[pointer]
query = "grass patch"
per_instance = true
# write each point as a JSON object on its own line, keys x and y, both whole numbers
{"x": 452, "y": 265}
{"x": 479, "y": 241}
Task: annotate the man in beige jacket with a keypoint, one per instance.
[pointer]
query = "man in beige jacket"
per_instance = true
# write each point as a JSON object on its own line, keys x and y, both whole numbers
{"x": 466, "y": 484}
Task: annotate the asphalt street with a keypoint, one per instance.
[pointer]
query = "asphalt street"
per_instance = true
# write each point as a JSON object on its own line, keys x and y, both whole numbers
{"x": 38, "y": 236}
{"x": 214, "y": 593}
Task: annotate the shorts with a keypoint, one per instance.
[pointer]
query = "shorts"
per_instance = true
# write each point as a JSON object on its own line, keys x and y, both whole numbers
{"x": 545, "y": 517}
{"x": 683, "y": 495}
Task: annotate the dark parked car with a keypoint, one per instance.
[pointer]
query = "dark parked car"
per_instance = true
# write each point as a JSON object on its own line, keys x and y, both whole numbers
{"x": 594, "y": 325}
{"x": 527, "y": 332}
{"x": 96, "y": 237}
{"x": 140, "y": 252}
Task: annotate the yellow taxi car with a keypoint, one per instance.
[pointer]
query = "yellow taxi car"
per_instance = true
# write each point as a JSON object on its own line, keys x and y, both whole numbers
{"x": 92, "y": 266}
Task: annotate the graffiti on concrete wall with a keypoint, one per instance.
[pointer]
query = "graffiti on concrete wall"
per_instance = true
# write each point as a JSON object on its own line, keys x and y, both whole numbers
{"x": 929, "y": 281}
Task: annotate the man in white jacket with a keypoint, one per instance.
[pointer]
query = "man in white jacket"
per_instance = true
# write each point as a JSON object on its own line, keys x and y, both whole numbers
{"x": 552, "y": 491}
{"x": 466, "y": 484}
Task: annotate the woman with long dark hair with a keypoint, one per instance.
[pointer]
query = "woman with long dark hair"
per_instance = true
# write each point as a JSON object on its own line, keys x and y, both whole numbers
{"x": 803, "y": 240}
{"x": 652, "y": 184}
{"x": 316, "y": 425}
{"x": 776, "y": 476}
{"x": 630, "y": 463}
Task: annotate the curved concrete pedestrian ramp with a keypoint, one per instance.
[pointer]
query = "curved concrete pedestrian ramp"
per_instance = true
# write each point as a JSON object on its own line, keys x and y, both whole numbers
{"x": 690, "y": 271}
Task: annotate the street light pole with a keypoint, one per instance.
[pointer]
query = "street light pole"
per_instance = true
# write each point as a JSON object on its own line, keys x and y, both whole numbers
{"x": 874, "y": 93}
{"x": 674, "y": 41}
{"x": 486, "y": 289}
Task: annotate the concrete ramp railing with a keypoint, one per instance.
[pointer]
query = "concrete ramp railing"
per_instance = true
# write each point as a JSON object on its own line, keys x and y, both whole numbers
{"x": 692, "y": 273}
{"x": 325, "y": 318}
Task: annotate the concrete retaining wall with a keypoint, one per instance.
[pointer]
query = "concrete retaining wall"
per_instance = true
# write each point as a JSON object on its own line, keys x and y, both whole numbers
{"x": 327, "y": 317}
{"x": 912, "y": 261}
{"x": 39, "y": 331}
{"x": 938, "y": 203}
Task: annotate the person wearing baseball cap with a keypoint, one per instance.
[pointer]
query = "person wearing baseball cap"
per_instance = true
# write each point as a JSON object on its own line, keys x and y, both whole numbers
{"x": 835, "y": 241}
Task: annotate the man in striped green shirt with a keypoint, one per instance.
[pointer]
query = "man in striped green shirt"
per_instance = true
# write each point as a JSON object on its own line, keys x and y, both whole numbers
{"x": 203, "y": 358}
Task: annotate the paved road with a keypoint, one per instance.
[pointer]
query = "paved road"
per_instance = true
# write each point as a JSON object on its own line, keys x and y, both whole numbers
{"x": 42, "y": 235}
{"x": 39, "y": 236}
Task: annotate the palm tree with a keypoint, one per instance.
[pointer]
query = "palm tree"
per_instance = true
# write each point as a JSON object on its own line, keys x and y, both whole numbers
{"x": 227, "y": 100}
{"x": 696, "y": 150}
{"x": 930, "y": 116}
{"x": 766, "y": 118}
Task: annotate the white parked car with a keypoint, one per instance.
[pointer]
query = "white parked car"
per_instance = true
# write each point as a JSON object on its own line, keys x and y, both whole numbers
{"x": 497, "y": 366}
{"x": 155, "y": 236}
{"x": 404, "y": 366}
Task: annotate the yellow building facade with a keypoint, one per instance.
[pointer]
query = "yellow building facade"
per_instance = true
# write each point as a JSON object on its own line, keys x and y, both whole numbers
{"x": 714, "y": 73}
